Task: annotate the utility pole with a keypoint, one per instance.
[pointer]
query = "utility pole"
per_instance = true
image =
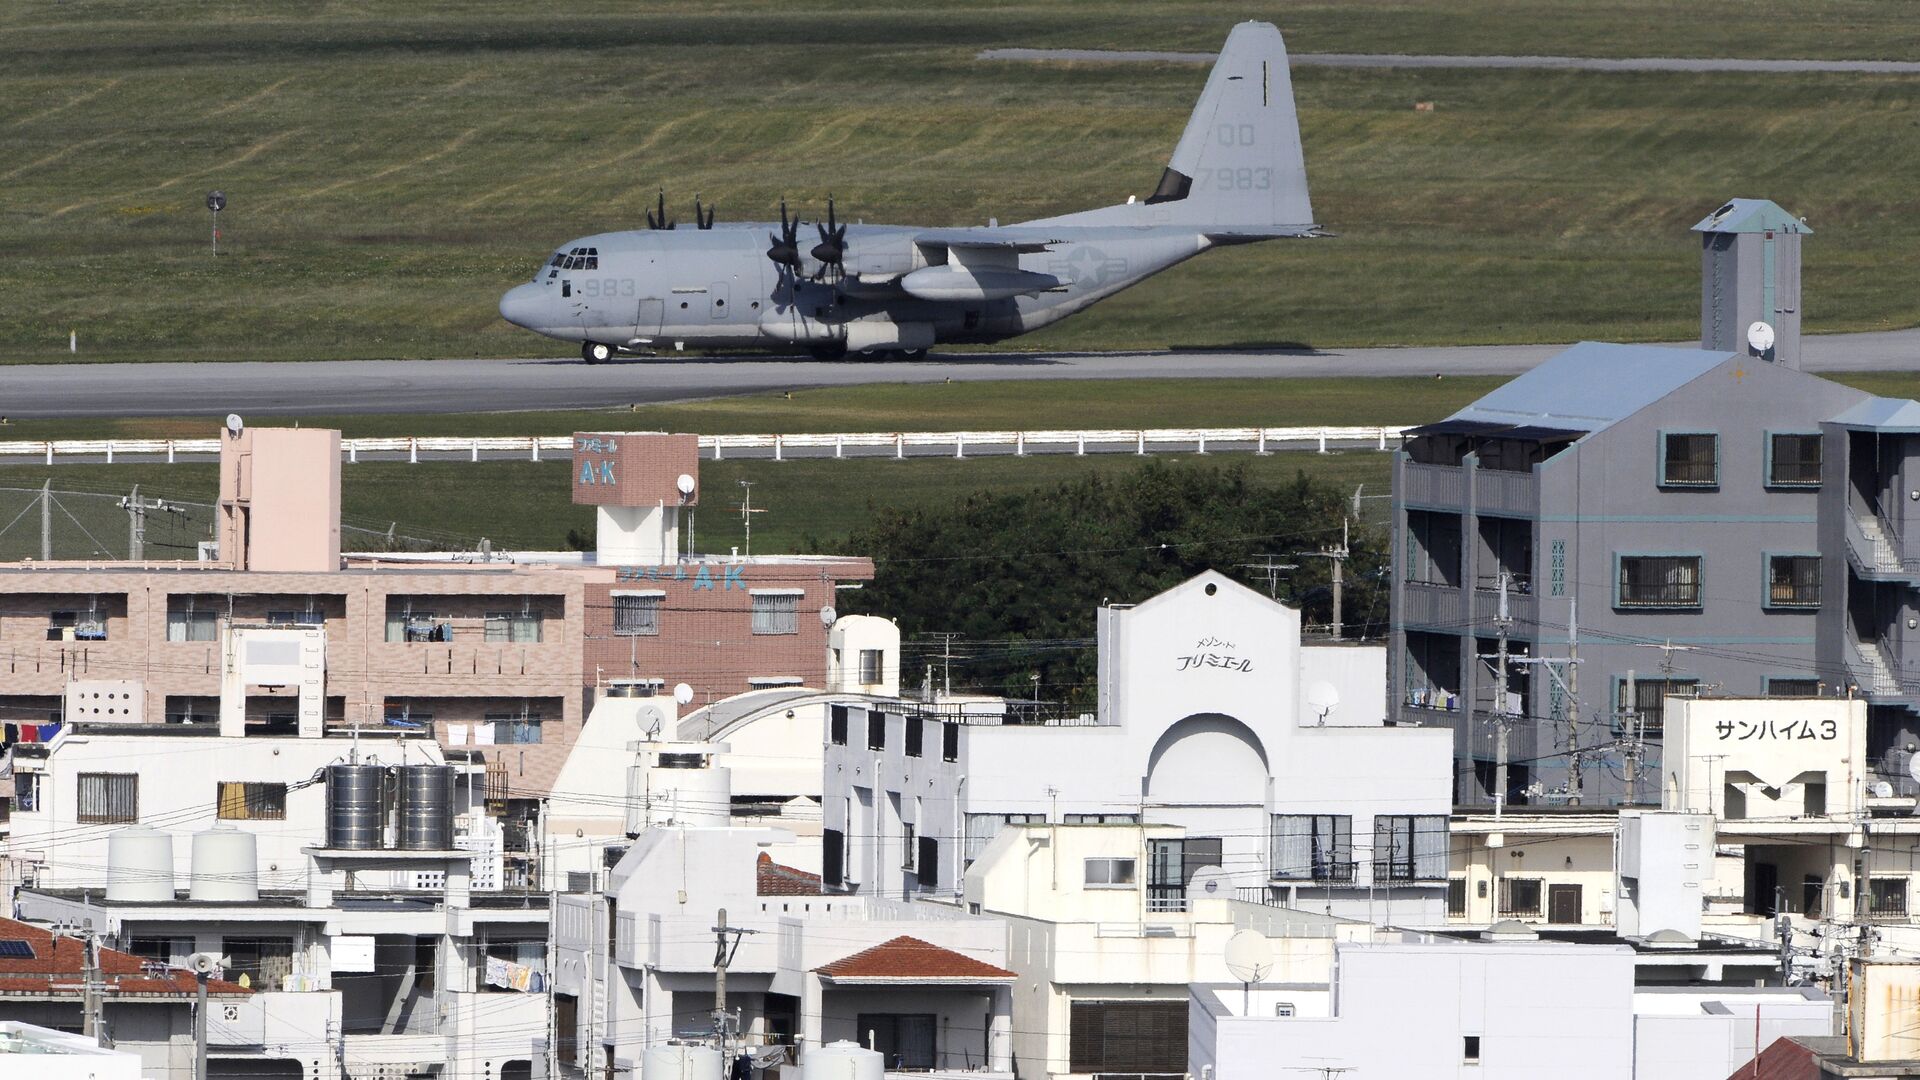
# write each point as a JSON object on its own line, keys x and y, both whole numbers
{"x": 1575, "y": 782}
{"x": 46, "y": 520}
{"x": 947, "y": 638}
{"x": 200, "y": 1024}
{"x": 1338, "y": 556}
{"x": 90, "y": 1019}
{"x": 136, "y": 508}
{"x": 1270, "y": 567}
{"x": 1502, "y": 712}
{"x": 726, "y": 943}
{"x": 1630, "y": 735}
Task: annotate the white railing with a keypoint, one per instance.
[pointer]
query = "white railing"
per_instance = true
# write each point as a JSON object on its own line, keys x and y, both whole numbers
{"x": 1141, "y": 441}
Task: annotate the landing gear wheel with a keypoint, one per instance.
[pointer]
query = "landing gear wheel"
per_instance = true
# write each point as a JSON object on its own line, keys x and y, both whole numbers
{"x": 828, "y": 352}
{"x": 913, "y": 354}
{"x": 593, "y": 352}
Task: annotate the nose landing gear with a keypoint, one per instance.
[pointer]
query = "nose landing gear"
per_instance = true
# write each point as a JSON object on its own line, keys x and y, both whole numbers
{"x": 593, "y": 352}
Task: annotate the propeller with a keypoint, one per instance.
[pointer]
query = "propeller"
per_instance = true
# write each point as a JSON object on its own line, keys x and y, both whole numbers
{"x": 833, "y": 242}
{"x": 786, "y": 246}
{"x": 699, "y": 221}
{"x": 660, "y": 221}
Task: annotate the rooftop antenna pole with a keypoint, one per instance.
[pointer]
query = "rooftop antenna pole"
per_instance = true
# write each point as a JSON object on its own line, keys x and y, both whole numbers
{"x": 746, "y": 514}
{"x": 1270, "y": 567}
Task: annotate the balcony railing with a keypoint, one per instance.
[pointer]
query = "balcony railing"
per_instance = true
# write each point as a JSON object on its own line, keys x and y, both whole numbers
{"x": 1500, "y": 491}
{"x": 1433, "y": 485}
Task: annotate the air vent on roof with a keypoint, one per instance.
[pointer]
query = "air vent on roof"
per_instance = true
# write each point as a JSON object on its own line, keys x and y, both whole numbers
{"x": 1723, "y": 211}
{"x": 15, "y": 949}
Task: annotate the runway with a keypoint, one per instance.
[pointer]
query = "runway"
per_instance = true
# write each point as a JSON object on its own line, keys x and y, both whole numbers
{"x": 458, "y": 386}
{"x": 1541, "y": 63}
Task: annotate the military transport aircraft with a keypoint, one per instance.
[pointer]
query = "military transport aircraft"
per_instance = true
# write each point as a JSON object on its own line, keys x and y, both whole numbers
{"x": 1236, "y": 176}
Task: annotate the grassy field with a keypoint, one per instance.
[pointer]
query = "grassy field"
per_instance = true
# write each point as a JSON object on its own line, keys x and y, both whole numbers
{"x": 391, "y": 170}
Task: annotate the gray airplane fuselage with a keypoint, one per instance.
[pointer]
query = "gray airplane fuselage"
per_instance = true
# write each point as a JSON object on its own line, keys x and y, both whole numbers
{"x": 716, "y": 288}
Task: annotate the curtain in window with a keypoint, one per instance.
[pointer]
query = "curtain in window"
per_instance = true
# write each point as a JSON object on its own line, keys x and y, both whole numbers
{"x": 1430, "y": 847}
{"x": 1292, "y": 846}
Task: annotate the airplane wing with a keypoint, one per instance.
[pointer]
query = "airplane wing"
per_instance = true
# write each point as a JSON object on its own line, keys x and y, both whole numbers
{"x": 994, "y": 239}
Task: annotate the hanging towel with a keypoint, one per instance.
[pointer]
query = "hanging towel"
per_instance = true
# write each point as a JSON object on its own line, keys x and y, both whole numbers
{"x": 456, "y": 734}
{"x": 29, "y": 733}
{"x": 48, "y": 731}
{"x": 497, "y": 973}
{"x": 483, "y": 734}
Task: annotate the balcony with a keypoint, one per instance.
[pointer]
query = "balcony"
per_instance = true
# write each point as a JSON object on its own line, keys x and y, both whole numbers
{"x": 1428, "y": 603}
{"x": 1522, "y": 607}
{"x": 1513, "y": 494}
{"x": 1433, "y": 485}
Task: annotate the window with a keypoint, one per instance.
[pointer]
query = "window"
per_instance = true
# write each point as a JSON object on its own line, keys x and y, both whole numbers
{"x": 914, "y": 724}
{"x": 108, "y": 797}
{"x": 1100, "y": 819}
{"x": 927, "y": 863}
{"x": 1690, "y": 460}
{"x": 182, "y": 709}
{"x": 1793, "y": 460}
{"x": 519, "y": 627}
{"x": 1793, "y": 687}
{"x": 876, "y": 731}
{"x": 1659, "y": 581}
{"x": 1409, "y": 847}
{"x": 870, "y": 666}
{"x": 1470, "y": 1049}
{"x": 404, "y": 714}
{"x": 950, "y": 742}
{"x": 1649, "y": 700}
{"x": 1793, "y": 581}
{"x": 776, "y": 613}
{"x": 909, "y": 850}
{"x": 515, "y": 727}
{"x": 833, "y": 845}
{"x": 26, "y": 790}
{"x": 1520, "y": 897}
{"x": 248, "y": 801}
{"x": 1110, "y": 873}
{"x": 264, "y": 962}
{"x": 1142, "y": 1037}
{"x": 410, "y": 623}
{"x": 193, "y": 618}
{"x": 1887, "y": 897}
{"x": 837, "y": 725}
{"x": 1457, "y": 898}
{"x": 1313, "y": 847}
{"x": 905, "y": 1041}
{"x": 636, "y": 615}
{"x": 307, "y": 616}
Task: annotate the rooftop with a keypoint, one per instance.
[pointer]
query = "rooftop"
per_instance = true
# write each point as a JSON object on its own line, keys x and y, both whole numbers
{"x": 773, "y": 879}
{"x": 35, "y": 961}
{"x": 1588, "y": 387}
{"x": 908, "y": 959}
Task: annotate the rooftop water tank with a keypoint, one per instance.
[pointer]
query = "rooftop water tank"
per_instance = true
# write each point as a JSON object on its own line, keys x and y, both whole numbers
{"x": 226, "y": 864}
{"x": 355, "y": 813}
{"x": 680, "y": 1063}
{"x": 843, "y": 1061}
{"x": 139, "y": 865}
{"x": 426, "y": 807}
{"x": 683, "y": 789}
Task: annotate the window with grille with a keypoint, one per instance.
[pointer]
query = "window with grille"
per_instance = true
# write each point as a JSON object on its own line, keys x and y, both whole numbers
{"x": 1793, "y": 461}
{"x": 1313, "y": 847}
{"x": 242, "y": 800}
{"x": 1663, "y": 581}
{"x": 776, "y": 613}
{"x": 1520, "y": 897}
{"x": 1143, "y": 1038}
{"x": 517, "y": 627}
{"x": 108, "y": 797}
{"x": 636, "y": 616}
{"x": 193, "y": 618}
{"x": 1409, "y": 847}
{"x": 1793, "y": 687}
{"x": 1690, "y": 460}
{"x": 1457, "y": 898}
{"x": 1793, "y": 581}
{"x": 1649, "y": 700}
{"x": 1887, "y": 896}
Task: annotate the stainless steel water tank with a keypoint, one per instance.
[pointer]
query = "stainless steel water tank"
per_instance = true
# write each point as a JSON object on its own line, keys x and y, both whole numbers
{"x": 426, "y": 807}
{"x": 355, "y": 812}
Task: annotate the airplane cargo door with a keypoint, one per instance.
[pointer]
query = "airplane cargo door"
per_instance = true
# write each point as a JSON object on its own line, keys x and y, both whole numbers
{"x": 717, "y": 301}
{"x": 652, "y": 311}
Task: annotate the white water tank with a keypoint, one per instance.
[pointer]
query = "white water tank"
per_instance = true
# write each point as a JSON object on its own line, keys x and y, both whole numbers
{"x": 680, "y": 1063}
{"x": 139, "y": 865}
{"x": 226, "y": 866}
{"x": 843, "y": 1061}
{"x": 679, "y": 784}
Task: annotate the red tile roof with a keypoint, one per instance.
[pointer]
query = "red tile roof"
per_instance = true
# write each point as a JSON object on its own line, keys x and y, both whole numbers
{"x": 1783, "y": 1059}
{"x": 907, "y": 958}
{"x": 57, "y": 963}
{"x": 777, "y": 880}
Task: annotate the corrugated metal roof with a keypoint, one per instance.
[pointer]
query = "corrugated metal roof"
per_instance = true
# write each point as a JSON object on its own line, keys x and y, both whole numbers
{"x": 1751, "y": 215}
{"x": 1591, "y": 386}
{"x": 1783, "y": 1059}
{"x": 1882, "y": 414}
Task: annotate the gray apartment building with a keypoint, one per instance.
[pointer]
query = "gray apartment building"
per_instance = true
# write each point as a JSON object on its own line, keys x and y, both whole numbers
{"x": 1662, "y": 521}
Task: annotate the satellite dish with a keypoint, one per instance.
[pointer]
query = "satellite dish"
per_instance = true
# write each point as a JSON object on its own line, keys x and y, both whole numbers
{"x": 234, "y": 425}
{"x": 1913, "y": 766}
{"x": 683, "y": 693}
{"x": 1882, "y": 790}
{"x": 1249, "y": 956}
{"x": 1322, "y": 698}
{"x": 651, "y": 719}
{"x": 1760, "y": 336}
{"x": 827, "y": 615}
{"x": 216, "y": 201}
{"x": 684, "y": 483}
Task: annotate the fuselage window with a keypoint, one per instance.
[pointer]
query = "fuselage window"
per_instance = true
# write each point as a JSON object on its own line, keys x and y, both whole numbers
{"x": 566, "y": 288}
{"x": 592, "y": 262}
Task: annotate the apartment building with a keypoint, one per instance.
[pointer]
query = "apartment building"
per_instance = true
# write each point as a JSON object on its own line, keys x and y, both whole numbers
{"x": 1211, "y": 715}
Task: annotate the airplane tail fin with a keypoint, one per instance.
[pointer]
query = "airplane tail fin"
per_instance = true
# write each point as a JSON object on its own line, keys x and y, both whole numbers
{"x": 1238, "y": 171}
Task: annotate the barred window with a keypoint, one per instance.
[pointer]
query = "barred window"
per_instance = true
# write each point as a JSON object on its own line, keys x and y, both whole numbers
{"x": 1659, "y": 581}
{"x": 1649, "y": 700}
{"x": 249, "y": 801}
{"x": 1691, "y": 460}
{"x": 635, "y": 615}
{"x": 1793, "y": 581}
{"x": 109, "y": 797}
{"x": 1457, "y": 898}
{"x": 1137, "y": 1037}
{"x": 776, "y": 613}
{"x": 1794, "y": 687}
{"x": 1795, "y": 461}
{"x": 1520, "y": 897}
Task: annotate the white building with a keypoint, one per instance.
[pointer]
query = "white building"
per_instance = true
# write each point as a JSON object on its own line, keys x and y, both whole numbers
{"x": 28, "y": 1052}
{"x": 634, "y": 967}
{"x": 1211, "y": 715}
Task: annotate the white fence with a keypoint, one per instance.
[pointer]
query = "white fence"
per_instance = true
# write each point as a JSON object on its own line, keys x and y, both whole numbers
{"x": 897, "y": 444}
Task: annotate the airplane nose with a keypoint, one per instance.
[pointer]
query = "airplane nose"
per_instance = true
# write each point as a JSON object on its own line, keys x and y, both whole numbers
{"x": 522, "y": 305}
